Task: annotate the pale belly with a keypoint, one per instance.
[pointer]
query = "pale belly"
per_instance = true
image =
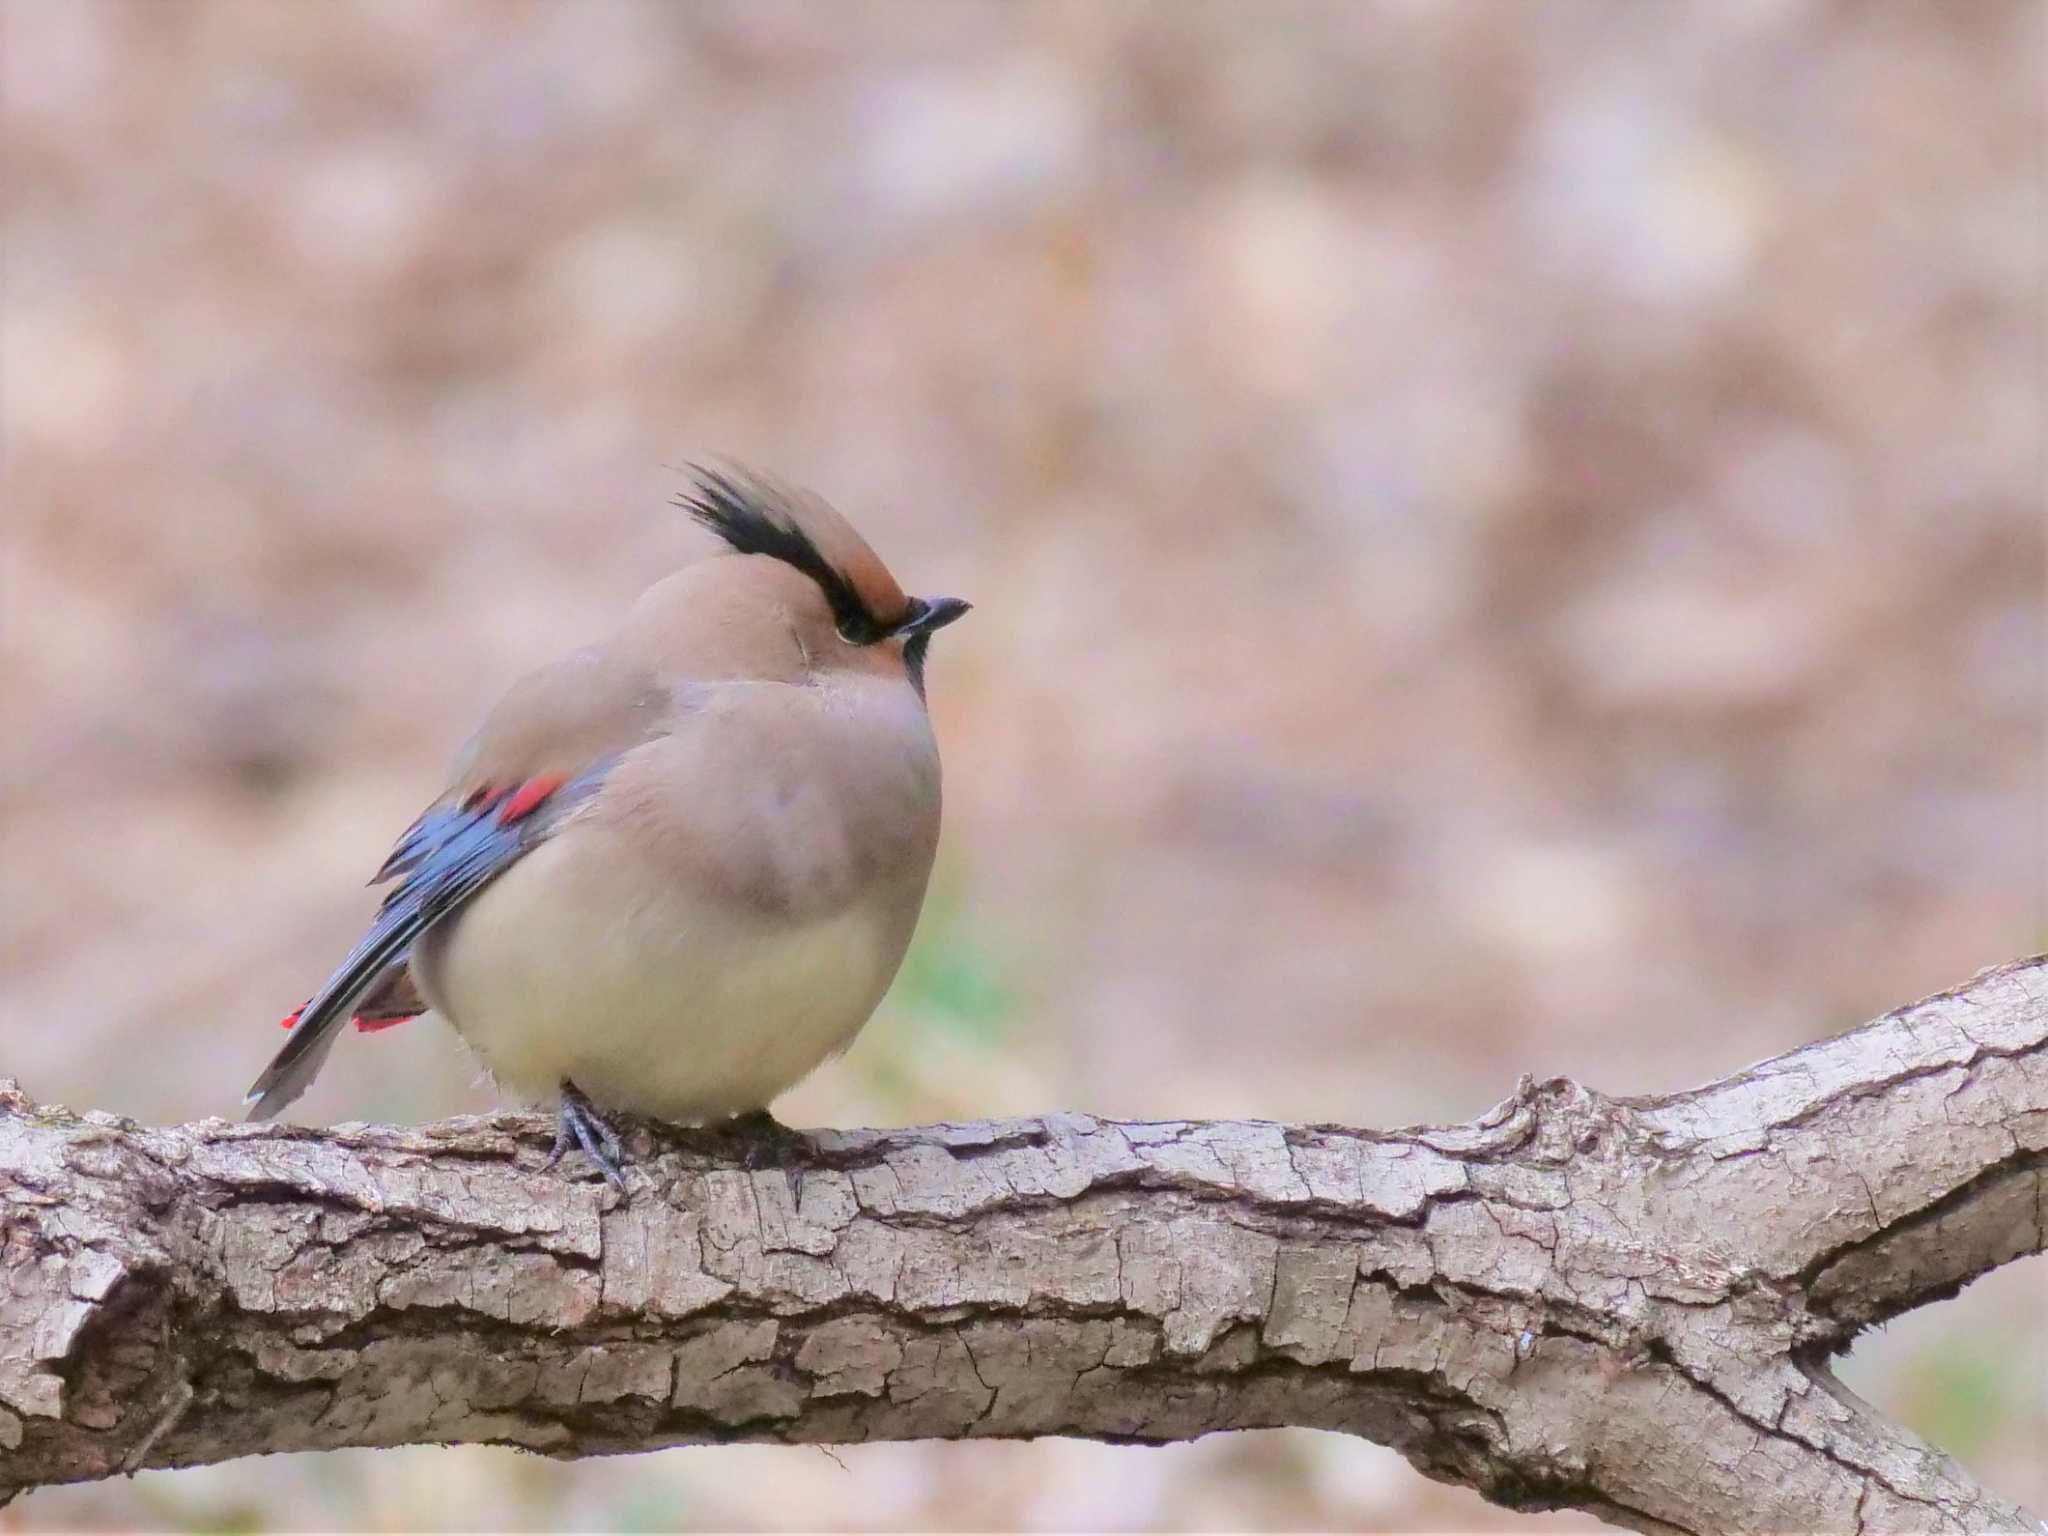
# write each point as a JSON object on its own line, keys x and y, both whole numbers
{"x": 684, "y": 1014}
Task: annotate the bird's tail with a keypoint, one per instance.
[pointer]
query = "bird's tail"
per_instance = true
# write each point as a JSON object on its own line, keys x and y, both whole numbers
{"x": 367, "y": 970}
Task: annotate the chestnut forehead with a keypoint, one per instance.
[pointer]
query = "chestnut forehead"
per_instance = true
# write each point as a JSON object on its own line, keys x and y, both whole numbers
{"x": 757, "y": 518}
{"x": 876, "y": 588}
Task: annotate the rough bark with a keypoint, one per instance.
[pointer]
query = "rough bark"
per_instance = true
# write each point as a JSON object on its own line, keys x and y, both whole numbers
{"x": 1621, "y": 1305}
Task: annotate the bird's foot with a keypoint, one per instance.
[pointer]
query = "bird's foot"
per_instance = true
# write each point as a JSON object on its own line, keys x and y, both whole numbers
{"x": 580, "y": 1125}
{"x": 765, "y": 1142}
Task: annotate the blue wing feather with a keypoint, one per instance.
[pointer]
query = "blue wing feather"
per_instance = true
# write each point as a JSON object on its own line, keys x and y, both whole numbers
{"x": 444, "y": 858}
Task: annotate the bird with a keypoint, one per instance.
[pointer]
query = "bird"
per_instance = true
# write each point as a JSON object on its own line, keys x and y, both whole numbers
{"x": 674, "y": 871}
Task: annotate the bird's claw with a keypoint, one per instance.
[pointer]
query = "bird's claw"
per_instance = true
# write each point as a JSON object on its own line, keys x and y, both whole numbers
{"x": 580, "y": 1125}
{"x": 765, "y": 1142}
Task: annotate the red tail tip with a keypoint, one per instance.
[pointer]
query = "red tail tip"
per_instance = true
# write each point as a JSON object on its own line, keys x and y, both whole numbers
{"x": 369, "y": 1024}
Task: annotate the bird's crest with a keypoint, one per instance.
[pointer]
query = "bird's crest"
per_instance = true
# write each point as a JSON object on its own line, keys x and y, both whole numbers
{"x": 756, "y": 517}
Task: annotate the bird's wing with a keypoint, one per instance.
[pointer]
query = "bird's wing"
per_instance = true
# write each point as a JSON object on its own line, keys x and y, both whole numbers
{"x": 445, "y": 857}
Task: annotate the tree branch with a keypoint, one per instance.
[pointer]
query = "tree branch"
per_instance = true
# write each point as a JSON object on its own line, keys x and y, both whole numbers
{"x": 1620, "y": 1305}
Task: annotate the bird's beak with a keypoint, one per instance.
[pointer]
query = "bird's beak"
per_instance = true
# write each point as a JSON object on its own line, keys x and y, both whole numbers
{"x": 937, "y": 613}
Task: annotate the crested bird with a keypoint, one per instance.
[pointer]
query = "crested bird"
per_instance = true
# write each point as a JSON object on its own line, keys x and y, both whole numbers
{"x": 673, "y": 871}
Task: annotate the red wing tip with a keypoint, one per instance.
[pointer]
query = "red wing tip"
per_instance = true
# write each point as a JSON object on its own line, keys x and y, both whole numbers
{"x": 512, "y": 805}
{"x": 527, "y": 797}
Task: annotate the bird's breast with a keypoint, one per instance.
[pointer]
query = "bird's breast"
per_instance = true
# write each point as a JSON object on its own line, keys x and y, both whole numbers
{"x": 685, "y": 1010}
{"x": 725, "y": 914}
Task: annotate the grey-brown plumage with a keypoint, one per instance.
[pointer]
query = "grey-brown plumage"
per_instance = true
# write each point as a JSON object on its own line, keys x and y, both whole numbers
{"x": 674, "y": 871}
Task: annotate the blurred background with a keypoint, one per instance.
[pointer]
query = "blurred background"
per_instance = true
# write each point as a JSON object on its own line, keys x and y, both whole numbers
{"x": 1505, "y": 538}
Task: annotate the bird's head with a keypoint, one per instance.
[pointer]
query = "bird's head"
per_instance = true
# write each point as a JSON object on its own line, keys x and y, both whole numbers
{"x": 869, "y": 612}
